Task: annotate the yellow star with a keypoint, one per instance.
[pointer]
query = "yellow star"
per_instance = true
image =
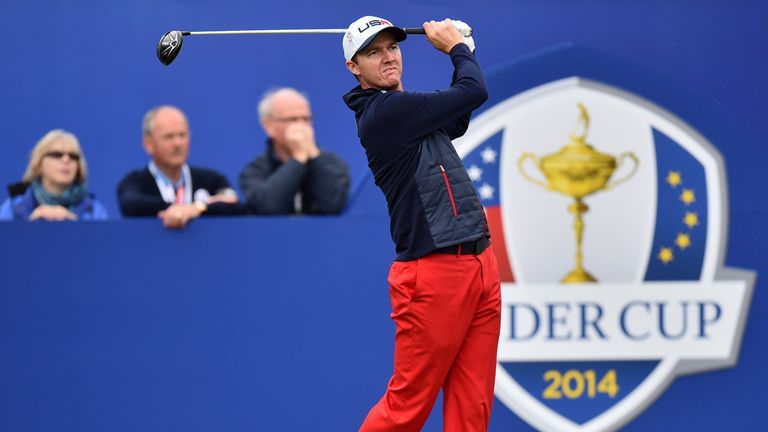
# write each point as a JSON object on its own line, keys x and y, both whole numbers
{"x": 683, "y": 241}
{"x": 687, "y": 196}
{"x": 691, "y": 219}
{"x": 666, "y": 255}
{"x": 674, "y": 178}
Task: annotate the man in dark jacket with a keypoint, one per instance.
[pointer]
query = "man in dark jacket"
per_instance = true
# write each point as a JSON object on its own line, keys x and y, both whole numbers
{"x": 168, "y": 187}
{"x": 293, "y": 175}
{"x": 444, "y": 283}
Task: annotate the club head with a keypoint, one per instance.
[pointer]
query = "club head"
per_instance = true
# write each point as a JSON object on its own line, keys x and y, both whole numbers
{"x": 169, "y": 46}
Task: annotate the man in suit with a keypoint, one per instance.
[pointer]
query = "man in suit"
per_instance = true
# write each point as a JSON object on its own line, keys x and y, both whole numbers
{"x": 168, "y": 187}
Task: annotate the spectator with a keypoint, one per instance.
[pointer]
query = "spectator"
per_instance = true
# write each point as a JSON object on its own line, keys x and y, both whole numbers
{"x": 168, "y": 187}
{"x": 54, "y": 186}
{"x": 293, "y": 176}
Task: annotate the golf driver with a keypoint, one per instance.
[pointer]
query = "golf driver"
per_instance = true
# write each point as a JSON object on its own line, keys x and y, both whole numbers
{"x": 170, "y": 44}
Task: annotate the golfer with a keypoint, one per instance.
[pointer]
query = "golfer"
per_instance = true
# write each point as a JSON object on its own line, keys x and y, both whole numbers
{"x": 444, "y": 282}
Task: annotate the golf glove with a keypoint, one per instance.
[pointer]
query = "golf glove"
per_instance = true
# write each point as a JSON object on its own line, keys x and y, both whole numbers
{"x": 465, "y": 31}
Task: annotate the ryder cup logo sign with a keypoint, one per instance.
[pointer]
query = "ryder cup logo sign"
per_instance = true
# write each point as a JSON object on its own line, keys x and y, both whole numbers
{"x": 608, "y": 216}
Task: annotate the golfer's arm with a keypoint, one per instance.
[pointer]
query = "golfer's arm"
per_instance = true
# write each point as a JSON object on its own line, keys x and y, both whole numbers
{"x": 417, "y": 113}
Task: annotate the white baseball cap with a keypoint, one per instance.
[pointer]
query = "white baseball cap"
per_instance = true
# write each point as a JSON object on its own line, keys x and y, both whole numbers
{"x": 363, "y": 31}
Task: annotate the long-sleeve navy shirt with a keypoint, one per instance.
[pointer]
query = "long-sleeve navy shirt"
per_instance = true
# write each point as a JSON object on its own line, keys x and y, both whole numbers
{"x": 407, "y": 139}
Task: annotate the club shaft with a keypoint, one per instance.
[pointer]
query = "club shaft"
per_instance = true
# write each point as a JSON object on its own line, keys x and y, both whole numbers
{"x": 283, "y": 31}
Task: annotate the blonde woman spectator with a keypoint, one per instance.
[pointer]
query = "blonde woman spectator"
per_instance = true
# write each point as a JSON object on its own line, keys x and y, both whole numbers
{"x": 54, "y": 186}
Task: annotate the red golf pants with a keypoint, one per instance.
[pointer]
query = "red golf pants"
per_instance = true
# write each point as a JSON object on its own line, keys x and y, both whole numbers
{"x": 446, "y": 309}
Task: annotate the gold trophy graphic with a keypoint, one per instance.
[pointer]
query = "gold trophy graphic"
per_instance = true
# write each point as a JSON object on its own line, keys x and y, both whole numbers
{"x": 578, "y": 170}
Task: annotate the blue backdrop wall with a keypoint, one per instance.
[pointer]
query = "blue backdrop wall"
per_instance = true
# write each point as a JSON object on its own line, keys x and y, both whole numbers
{"x": 140, "y": 329}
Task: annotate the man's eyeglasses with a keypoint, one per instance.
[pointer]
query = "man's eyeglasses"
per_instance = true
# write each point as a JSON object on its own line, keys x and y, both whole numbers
{"x": 59, "y": 154}
{"x": 294, "y": 119}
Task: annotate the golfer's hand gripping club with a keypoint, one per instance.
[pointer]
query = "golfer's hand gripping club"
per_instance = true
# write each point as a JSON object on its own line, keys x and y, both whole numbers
{"x": 465, "y": 31}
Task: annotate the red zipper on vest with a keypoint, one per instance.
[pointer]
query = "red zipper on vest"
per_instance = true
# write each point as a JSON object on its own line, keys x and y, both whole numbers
{"x": 450, "y": 192}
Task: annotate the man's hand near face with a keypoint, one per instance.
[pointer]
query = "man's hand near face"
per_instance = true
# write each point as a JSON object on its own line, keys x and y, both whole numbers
{"x": 300, "y": 140}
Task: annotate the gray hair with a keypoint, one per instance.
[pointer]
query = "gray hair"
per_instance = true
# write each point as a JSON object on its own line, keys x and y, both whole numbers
{"x": 148, "y": 124}
{"x": 265, "y": 104}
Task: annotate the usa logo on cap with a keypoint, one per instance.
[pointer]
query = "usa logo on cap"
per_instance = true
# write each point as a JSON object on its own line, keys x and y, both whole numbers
{"x": 362, "y": 32}
{"x": 608, "y": 215}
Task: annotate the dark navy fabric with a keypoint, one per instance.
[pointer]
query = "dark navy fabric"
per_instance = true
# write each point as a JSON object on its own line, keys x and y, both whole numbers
{"x": 138, "y": 195}
{"x": 407, "y": 139}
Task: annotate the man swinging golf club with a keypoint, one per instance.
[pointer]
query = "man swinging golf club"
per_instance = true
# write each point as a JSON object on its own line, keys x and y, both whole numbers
{"x": 444, "y": 283}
